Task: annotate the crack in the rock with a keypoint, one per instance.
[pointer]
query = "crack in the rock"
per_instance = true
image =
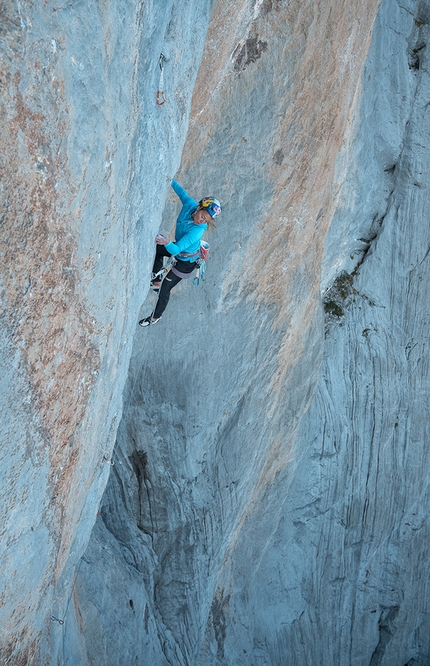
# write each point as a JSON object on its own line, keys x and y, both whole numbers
{"x": 386, "y": 632}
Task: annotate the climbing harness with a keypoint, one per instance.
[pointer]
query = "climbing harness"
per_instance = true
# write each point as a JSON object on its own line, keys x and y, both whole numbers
{"x": 189, "y": 256}
{"x": 161, "y": 97}
{"x": 201, "y": 256}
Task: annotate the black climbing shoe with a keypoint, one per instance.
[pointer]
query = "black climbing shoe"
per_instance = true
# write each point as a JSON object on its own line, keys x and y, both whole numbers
{"x": 148, "y": 321}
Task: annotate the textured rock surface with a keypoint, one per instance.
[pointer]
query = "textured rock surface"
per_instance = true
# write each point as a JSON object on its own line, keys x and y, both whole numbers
{"x": 81, "y": 134}
{"x": 267, "y": 501}
{"x": 198, "y": 467}
{"x": 332, "y": 566}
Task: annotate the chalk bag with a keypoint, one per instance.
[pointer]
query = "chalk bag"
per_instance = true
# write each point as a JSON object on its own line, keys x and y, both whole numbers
{"x": 205, "y": 248}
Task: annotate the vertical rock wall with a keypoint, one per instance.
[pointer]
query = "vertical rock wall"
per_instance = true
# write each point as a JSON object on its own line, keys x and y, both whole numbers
{"x": 86, "y": 157}
{"x": 267, "y": 498}
{"x": 332, "y": 567}
{"x": 207, "y": 513}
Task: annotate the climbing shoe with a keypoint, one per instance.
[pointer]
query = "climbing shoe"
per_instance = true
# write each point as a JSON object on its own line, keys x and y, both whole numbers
{"x": 148, "y": 321}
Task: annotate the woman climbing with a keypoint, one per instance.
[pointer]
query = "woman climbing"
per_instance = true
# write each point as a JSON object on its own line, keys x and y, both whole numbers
{"x": 192, "y": 222}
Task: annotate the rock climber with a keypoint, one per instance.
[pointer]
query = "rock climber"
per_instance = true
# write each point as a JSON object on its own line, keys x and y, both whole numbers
{"x": 192, "y": 222}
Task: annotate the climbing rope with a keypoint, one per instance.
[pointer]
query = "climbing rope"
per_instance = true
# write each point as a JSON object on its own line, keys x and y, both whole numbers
{"x": 161, "y": 97}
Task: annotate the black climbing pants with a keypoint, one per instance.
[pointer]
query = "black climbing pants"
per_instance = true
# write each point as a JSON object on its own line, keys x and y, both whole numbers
{"x": 171, "y": 280}
{"x": 160, "y": 253}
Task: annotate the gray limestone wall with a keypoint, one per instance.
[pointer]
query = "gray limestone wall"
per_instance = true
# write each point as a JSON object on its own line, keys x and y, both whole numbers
{"x": 245, "y": 482}
{"x": 274, "y": 526}
{"x": 332, "y": 568}
{"x": 86, "y": 159}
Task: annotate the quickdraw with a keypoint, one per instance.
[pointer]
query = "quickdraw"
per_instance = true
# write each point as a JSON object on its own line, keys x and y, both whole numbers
{"x": 201, "y": 270}
{"x": 200, "y": 275}
{"x": 55, "y": 619}
{"x": 161, "y": 97}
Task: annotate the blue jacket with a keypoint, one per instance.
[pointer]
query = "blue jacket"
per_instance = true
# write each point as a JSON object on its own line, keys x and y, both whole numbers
{"x": 187, "y": 234}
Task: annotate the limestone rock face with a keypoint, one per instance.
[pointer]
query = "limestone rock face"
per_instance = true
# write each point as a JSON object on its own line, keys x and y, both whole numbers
{"x": 330, "y": 567}
{"x": 86, "y": 159}
{"x": 267, "y": 498}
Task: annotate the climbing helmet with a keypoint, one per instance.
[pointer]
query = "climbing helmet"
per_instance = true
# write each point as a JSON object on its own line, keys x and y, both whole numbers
{"x": 212, "y": 205}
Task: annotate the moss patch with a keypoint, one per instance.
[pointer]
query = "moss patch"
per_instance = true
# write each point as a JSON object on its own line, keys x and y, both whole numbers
{"x": 340, "y": 295}
{"x": 330, "y": 307}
